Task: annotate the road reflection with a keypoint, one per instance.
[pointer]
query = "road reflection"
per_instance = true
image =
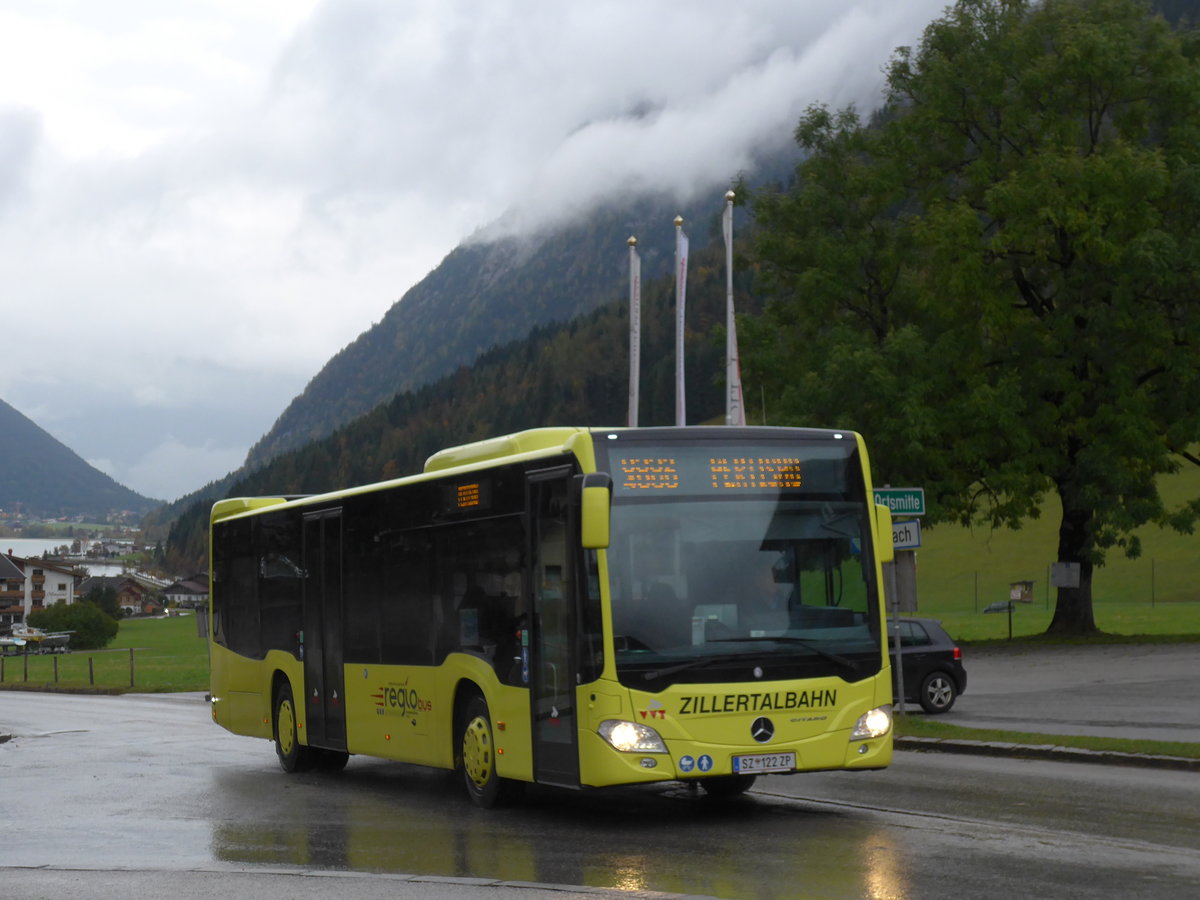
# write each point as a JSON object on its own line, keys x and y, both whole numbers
{"x": 381, "y": 817}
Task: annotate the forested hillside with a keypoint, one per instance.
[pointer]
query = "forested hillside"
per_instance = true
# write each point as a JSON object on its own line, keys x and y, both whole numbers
{"x": 49, "y": 479}
{"x": 573, "y": 373}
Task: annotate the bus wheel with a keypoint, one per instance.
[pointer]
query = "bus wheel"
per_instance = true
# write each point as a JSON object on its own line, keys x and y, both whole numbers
{"x": 485, "y": 788}
{"x": 293, "y": 756}
{"x": 721, "y": 786}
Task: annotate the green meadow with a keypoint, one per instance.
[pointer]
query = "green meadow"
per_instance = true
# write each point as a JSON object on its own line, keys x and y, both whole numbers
{"x": 168, "y": 655}
{"x": 961, "y": 571}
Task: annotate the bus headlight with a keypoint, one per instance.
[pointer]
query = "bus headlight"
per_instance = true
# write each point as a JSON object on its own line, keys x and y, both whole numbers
{"x": 873, "y": 724}
{"x": 631, "y": 737}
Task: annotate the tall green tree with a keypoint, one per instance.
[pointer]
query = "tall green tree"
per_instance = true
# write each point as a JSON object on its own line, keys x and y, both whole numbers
{"x": 998, "y": 279}
{"x": 106, "y": 599}
{"x": 91, "y": 628}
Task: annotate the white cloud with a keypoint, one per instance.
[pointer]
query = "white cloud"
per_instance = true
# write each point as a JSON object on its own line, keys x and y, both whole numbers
{"x": 162, "y": 468}
{"x": 205, "y": 187}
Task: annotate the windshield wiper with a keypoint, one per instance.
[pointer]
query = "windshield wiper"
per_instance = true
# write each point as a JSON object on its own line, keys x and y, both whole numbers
{"x": 784, "y": 639}
{"x": 843, "y": 661}
{"x": 679, "y": 667}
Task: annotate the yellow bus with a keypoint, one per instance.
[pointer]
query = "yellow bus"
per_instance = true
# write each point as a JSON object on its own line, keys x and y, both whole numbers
{"x": 568, "y": 606}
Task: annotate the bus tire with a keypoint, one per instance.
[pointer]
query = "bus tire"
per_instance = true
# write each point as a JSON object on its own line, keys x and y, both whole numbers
{"x": 293, "y": 756}
{"x": 478, "y": 753}
{"x": 723, "y": 786}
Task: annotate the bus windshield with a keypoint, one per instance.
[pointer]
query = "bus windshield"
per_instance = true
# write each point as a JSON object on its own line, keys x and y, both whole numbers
{"x": 772, "y": 579}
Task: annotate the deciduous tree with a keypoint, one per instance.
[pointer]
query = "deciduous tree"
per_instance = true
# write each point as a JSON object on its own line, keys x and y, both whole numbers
{"x": 997, "y": 280}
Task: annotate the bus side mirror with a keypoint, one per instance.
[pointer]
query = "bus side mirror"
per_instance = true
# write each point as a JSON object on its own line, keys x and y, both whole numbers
{"x": 595, "y": 509}
{"x": 885, "y": 546}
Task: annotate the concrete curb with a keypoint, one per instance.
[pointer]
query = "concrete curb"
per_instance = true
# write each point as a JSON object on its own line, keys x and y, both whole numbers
{"x": 1046, "y": 751}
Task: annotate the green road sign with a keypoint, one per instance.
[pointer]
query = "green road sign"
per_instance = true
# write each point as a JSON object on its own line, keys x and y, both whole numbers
{"x": 907, "y": 501}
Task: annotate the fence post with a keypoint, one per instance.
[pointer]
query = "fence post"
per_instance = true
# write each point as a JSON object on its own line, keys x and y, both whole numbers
{"x": 56, "y": 668}
{"x": 131, "y": 667}
{"x": 91, "y": 673}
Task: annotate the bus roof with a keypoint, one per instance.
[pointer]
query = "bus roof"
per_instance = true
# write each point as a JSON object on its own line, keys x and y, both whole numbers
{"x": 532, "y": 442}
{"x": 501, "y": 447}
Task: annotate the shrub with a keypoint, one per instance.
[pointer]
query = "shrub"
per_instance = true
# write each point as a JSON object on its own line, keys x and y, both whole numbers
{"x": 91, "y": 628}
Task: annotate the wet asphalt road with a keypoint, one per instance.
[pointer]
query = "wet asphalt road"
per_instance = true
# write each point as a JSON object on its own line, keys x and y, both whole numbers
{"x": 1143, "y": 691}
{"x": 141, "y": 796}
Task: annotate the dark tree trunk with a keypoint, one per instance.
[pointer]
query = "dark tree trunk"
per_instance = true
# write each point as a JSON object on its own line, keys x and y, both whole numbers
{"x": 1073, "y": 612}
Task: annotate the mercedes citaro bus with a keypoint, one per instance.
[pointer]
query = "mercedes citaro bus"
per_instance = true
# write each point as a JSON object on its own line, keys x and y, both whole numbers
{"x": 576, "y": 607}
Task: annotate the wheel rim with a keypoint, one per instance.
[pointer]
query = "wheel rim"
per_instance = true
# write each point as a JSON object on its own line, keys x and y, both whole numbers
{"x": 287, "y": 728}
{"x": 939, "y": 692}
{"x": 477, "y": 752}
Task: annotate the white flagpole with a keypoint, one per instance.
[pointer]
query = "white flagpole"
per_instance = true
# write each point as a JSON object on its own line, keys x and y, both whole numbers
{"x": 681, "y": 254}
{"x": 735, "y": 407}
{"x": 635, "y": 329}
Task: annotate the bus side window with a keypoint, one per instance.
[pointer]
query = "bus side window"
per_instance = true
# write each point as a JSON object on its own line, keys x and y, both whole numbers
{"x": 277, "y": 543}
{"x": 407, "y": 599}
{"x": 478, "y": 586}
{"x": 236, "y": 617}
{"x": 591, "y": 659}
{"x": 472, "y": 611}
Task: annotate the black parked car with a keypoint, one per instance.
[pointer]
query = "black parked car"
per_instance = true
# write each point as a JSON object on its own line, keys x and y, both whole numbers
{"x": 933, "y": 671}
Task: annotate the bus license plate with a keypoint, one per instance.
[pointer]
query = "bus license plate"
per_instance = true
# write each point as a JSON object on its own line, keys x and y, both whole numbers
{"x": 764, "y": 762}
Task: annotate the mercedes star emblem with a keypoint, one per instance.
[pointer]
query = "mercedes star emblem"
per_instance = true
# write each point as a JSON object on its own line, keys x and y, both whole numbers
{"x": 762, "y": 730}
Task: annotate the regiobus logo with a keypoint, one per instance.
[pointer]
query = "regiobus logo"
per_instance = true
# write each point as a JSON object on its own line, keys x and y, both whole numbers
{"x": 399, "y": 700}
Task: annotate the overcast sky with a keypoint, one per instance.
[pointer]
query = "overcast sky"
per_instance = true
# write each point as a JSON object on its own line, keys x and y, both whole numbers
{"x": 201, "y": 201}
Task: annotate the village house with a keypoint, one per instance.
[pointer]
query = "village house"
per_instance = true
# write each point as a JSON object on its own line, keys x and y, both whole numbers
{"x": 188, "y": 593}
{"x": 136, "y": 596}
{"x": 30, "y": 584}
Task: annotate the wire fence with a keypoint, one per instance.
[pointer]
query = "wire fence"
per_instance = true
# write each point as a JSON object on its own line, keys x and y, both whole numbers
{"x": 1146, "y": 583}
{"x": 115, "y": 669}
{"x": 1136, "y": 597}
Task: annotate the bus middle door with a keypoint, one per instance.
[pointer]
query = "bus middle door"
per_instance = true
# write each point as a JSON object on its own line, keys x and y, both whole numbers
{"x": 323, "y": 688}
{"x": 553, "y": 661}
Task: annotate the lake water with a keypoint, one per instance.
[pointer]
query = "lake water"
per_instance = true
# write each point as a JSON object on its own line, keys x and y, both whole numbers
{"x": 31, "y": 546}
{"x": 26, "y": 547}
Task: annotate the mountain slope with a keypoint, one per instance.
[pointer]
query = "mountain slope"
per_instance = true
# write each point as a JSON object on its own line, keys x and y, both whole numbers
{"x": 483, "y": 295}
{"x": 572, "y": 373}
{"x": 49, "y": 479}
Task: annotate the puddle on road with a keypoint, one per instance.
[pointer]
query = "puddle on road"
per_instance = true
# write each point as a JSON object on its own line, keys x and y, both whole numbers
{"x": 394, "y": 819}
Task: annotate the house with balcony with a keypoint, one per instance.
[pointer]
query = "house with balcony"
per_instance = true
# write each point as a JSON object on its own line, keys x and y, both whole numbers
{"x": 30, "y": 584}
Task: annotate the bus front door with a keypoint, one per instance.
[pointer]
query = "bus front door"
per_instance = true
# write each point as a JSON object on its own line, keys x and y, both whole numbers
{"x": 552, "y": 658}
{"x": 323, "y": 689}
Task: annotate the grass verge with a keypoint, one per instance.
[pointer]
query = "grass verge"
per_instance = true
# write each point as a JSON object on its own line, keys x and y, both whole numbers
{"x": 919, "y": 726}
